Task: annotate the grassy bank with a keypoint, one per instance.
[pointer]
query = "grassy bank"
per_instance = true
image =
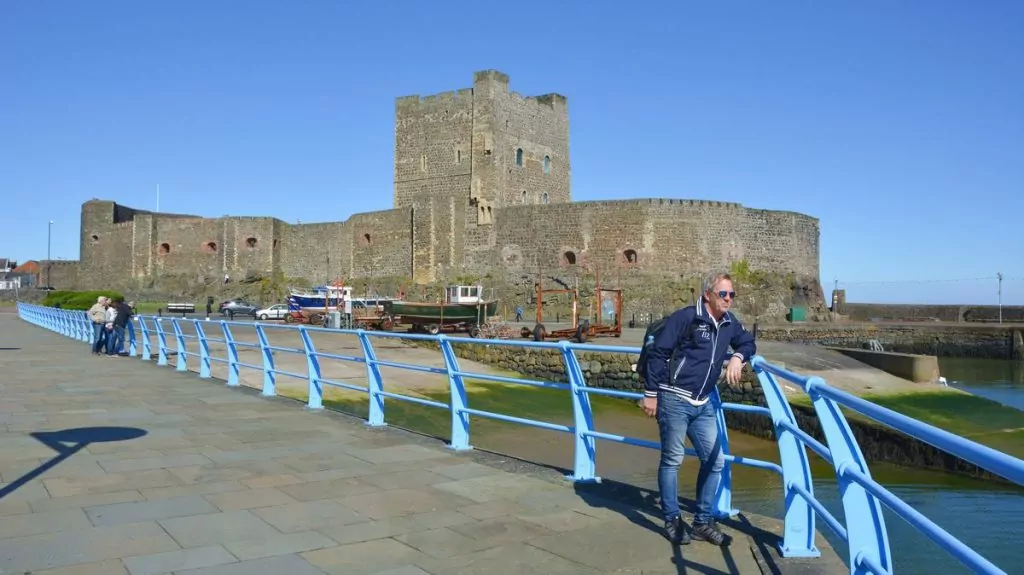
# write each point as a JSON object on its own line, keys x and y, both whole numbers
{"x": 981, "y": 420}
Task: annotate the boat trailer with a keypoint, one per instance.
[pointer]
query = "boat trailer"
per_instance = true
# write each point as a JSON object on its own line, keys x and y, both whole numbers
{"x": 609, "y": 308}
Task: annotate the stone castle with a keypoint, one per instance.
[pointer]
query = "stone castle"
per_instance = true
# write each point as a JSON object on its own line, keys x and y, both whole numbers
{"x": 481, "y": 188}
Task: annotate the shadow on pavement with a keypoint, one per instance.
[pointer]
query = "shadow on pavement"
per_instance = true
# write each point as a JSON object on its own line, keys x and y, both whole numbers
{"x": 68, "y": 442}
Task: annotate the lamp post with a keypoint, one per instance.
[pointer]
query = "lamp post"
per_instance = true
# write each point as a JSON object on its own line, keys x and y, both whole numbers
{"x": 1000, "y": 295}
{"x": 49, "y": 263}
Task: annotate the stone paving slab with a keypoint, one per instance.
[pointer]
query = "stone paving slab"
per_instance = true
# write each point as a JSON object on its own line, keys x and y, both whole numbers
{"x": 115, "y": 466}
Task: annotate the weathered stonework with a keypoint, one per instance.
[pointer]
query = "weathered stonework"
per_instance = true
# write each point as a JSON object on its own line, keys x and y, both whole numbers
{"x": 481, "y": 188}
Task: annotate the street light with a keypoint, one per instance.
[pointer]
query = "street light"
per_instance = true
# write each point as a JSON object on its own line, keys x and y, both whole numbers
{"x": 1000, "y": 277}
{"x": 49, "y": 263}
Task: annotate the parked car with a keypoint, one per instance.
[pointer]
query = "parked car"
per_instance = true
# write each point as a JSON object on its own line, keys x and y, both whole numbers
{"x": 238, "y": 307}
{"x": 277, "y": 311}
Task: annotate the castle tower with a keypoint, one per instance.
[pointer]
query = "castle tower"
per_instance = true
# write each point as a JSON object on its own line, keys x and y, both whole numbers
{"x": 459, "y": 156}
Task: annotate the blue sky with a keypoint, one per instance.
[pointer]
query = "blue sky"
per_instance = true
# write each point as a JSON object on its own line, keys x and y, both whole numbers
{"x": 899, "y": 125}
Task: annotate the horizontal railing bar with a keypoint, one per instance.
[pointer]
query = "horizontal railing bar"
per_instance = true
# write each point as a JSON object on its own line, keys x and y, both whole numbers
{"x": 341, "y": 357}
{"x": 742, "y": 408}
{"x": 219, "y": 359}
{"x": 289, "y": 373}
{"x": 612, "y": 392}
{"x": 249, "y": 365}
{"x": 827, "y": 516}
{"x": 285, "y": 349}
{"x": 985, "y": 457}
{"x": 412, "y": 399}
{"x": 524, "y": 421}
{"x": 245, "y": 344}
{"x": 343, "y": 385}
{"x": 805, "y": 437}
{"x": 514, "y": 380}
{"x": 409, "y": 366}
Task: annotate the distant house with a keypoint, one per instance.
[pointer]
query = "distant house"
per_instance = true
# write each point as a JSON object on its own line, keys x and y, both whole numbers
{"x": 29, "y": 267}
{"x": 29, "y": 273}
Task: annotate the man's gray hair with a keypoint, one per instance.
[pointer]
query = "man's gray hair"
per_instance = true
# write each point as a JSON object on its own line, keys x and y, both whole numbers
{"x": 712, "y": 279}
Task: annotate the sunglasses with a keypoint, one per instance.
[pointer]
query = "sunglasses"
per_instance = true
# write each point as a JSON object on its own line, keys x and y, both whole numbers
{"x": 723, "y": 293}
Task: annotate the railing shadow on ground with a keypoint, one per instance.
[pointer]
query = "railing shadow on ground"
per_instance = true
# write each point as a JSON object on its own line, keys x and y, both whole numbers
{"x": 863, "y": 530}
{"x": 68, "y": 442}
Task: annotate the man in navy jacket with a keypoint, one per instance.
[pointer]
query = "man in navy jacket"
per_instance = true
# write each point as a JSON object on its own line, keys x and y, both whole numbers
{"x": 683, "y": 366}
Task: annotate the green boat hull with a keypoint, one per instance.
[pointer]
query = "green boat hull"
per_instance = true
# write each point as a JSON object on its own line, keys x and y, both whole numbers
{"x": 415, "y": 312}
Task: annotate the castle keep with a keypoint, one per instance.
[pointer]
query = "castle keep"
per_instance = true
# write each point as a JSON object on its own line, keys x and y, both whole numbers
{"x": 482, "y": 187}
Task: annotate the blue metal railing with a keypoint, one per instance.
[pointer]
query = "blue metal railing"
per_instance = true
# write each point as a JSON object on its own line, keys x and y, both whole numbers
{"x": 862, "y": 498}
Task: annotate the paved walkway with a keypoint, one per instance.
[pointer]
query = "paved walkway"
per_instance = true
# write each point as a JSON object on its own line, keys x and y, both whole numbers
{"x": 113, "y": 466}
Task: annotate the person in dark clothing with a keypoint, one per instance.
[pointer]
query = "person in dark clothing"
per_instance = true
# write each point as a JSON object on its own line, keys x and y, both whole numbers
{"x": 124, "y": 314}
{"x": 683, "y": 366}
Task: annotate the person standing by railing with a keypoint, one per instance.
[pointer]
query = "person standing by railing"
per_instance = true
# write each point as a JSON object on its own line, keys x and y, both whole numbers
{"x": 98, "y": 317}
{"x": 683, "y": 366}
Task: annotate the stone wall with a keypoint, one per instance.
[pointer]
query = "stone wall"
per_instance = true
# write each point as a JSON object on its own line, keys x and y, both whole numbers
{"x": 946, "y": 313}
{"x": 482, "y": 192}
{"x": 661, "y": 236}
{"x": 944, "y": 340}
{"x": 614, "y": 371}
{"x": 61, "y": 274}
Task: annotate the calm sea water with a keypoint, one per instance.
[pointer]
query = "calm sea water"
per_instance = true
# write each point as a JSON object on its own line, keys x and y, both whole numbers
{"x": 999, "y": 380}
{"x": 984, "y": 515}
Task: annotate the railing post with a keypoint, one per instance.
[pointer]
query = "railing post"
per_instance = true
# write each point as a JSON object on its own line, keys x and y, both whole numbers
{"x": 204, "y": 351}
{"x": 133, "y": 348}
{"x": 229, "y": 342}
{"x": 161, "y": 341}
{"x": 374, "y": 383}
{"x": 182, "y": 363}
{"x": 798, "y": 526}
{"x": 316, "y": 391}
{"x": 269, "y": 377}
{"x": 80, "y": 320}
{"x": 585, "y": 452}
{"x": 865, "y": 524}
{"x": 723, "y": 496}
{"x": 147, "y": 346}
{"x": 458, "y": 403}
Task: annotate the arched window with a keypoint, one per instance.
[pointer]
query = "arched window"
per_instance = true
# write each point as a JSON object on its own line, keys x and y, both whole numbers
{"x": 251, "y": 242}
{"x": 519, "y": 156}
{"x": 522, "y": 200}
{"x": 544, "y": 198}
{"x": 366, "y": 239}
{"x": 569, "y": 257}
{"x": 165, "y": 249}
{"x": 630, "y": 256}
{"x": 547, "y": 164}
{"x": 210, "y": 247}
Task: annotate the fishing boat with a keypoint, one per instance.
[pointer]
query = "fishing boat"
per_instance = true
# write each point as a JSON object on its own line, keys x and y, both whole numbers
{"x": 462, "y": 305}
{"x": 319, "y": 298}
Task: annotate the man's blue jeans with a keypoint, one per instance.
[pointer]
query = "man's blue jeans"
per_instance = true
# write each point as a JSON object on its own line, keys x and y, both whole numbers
{"x": 115, "y": 339}
{"x": 678, "y": 419}
{"x": 99, "y": 332}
